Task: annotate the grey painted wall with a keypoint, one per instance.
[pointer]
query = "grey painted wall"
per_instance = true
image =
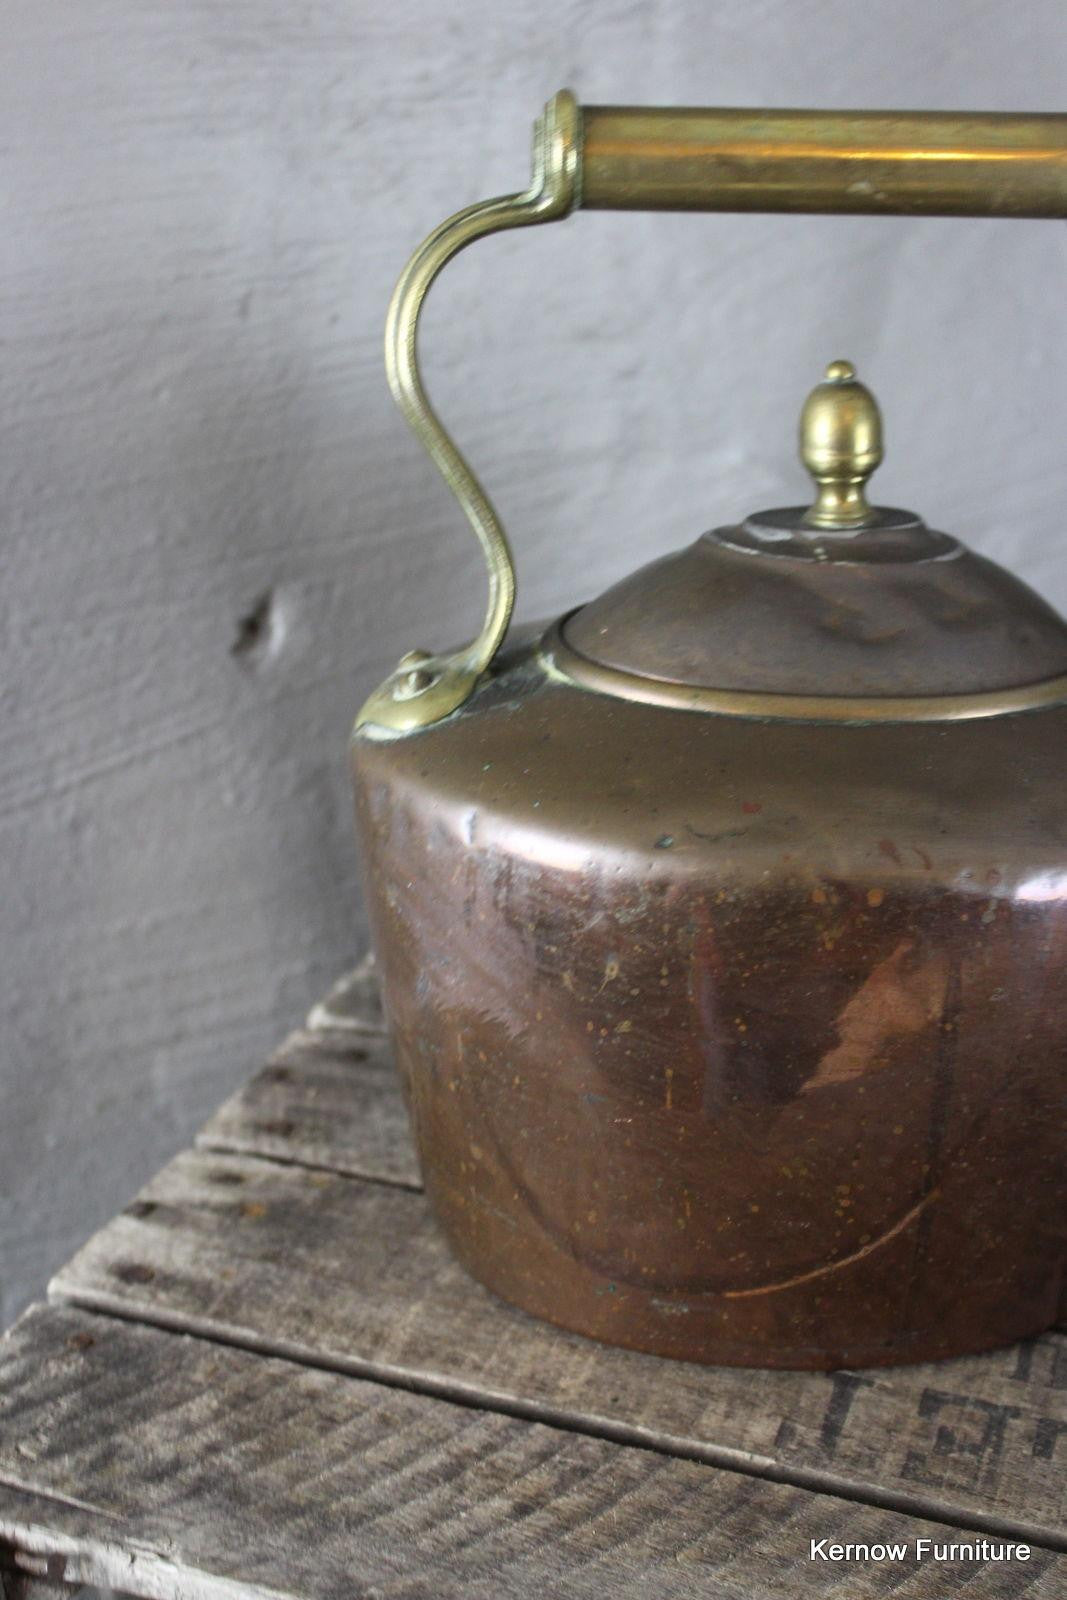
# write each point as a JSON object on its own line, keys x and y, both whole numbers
{"x": 204, "y": 208}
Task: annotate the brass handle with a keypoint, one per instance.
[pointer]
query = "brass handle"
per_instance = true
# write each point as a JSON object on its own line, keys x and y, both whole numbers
{"x": 424, "y": 688}
{"x": 926, "y": 163}
{"x": 913, "y": 163}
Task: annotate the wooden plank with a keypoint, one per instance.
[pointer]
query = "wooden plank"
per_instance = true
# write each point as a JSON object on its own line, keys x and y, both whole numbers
{"x": 166, "y": 1466}
{"x": 354, "y": 1276}
{"x": 327, "y": 1099}
{"x": 20, "y": 1585}
{"x": 353, "y": 1005}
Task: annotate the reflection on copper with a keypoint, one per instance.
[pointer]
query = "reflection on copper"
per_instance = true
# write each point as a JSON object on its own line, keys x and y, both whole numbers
{"x": 900, "y": 997}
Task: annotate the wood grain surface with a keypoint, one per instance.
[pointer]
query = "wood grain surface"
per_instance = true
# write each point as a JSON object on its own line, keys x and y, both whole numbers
{"x": 226, "y": 1475}
{"x": 329, "y": 1100}
{"x": 299, "y": 1255}
{"x": 329, "y": 1097}
{"x": 353, "y": 1005}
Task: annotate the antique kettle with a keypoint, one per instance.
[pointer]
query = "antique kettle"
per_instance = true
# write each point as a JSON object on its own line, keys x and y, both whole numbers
{"x": 722, "y": 925}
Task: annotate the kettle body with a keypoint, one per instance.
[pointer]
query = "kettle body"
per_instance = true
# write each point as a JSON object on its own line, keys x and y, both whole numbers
{"x": 748, "y": 1045}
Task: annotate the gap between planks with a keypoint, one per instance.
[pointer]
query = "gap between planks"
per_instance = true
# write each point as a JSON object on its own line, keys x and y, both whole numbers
{"x": 211, "y": 1146}
{"x": 637, "y": 1436}
{"x": 234, "y": 1461}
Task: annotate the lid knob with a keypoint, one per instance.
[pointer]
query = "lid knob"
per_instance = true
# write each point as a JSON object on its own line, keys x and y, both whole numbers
{"x": 841, "y": 445}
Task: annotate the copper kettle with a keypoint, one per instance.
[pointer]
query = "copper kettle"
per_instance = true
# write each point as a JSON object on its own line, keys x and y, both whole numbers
{"x": 723, "y": 924}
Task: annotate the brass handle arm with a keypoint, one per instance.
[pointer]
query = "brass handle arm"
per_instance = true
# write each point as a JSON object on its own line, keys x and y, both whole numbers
{"x": 424, "y": 688}
{"x": 921, "y": 163}
{"x": 631, "y": 158}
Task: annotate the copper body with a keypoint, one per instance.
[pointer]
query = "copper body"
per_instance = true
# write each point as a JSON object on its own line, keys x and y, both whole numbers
{"x": 737, "y": 1041}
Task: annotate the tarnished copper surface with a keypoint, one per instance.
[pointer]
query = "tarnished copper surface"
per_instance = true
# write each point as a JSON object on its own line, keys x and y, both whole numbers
{"x": 892, "y": 609}
{"x": 741, "y": 1042}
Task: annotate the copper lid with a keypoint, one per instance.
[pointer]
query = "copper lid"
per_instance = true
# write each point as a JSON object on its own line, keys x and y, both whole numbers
{"x": 834, "y": 601}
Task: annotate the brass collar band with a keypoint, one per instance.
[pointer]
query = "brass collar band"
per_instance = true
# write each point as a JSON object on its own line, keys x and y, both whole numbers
{"x": 565, "y": 664}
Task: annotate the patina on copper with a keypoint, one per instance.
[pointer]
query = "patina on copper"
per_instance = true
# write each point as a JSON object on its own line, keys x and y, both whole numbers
{"x": 741, "y": 1042}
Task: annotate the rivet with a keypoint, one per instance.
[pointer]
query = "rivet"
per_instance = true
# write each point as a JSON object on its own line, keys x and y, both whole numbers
{"x": 413, "y": 683}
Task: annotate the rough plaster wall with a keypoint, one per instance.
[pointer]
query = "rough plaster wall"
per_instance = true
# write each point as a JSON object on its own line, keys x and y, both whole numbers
{"x": 204, "y": 208}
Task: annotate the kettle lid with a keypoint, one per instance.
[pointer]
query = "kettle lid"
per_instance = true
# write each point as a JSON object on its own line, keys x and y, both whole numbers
{"x": 837, "y": 601}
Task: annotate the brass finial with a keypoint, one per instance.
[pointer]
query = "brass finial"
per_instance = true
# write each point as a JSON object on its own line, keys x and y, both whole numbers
{"x": 841, "y": 445}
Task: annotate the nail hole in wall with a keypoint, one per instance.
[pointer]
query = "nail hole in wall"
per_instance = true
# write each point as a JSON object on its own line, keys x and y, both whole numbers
{"x": 258, "y": 632}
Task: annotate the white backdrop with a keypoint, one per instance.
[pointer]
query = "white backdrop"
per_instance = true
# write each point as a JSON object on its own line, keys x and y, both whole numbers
{"x": 204, "y": 207}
